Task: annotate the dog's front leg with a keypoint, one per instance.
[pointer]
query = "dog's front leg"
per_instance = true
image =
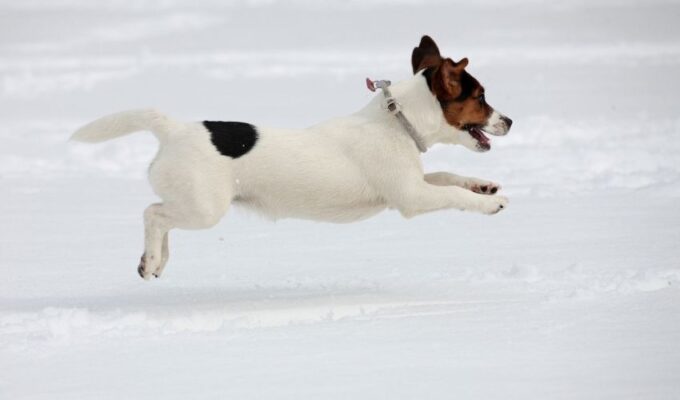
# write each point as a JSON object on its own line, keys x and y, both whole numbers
{"x": 475, "y": 184}
{"x": 422, "y": 197}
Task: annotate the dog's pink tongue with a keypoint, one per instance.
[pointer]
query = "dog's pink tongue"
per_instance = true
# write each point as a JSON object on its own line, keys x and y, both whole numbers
{"x": 479, "y": 135}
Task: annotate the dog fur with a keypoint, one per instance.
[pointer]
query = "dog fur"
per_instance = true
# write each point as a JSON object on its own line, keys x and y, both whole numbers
{"x": 341, "y": 170}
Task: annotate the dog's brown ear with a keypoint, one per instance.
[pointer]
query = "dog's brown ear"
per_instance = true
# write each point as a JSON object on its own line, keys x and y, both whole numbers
{"x": 425, "y": 55}
{"x": 449, "y": 76}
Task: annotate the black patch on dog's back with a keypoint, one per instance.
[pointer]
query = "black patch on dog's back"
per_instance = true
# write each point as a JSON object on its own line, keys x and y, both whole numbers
{"x": 231, "y": 139}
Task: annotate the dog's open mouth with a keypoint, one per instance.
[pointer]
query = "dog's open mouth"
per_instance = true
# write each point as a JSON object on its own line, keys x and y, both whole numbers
{"x": 483, "y": 142}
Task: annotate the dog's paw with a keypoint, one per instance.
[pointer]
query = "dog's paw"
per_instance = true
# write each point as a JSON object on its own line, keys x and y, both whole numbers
{"x": 143, "y": 268}
{"x": 484, "y": 187}
{"x": 494, "y": 204}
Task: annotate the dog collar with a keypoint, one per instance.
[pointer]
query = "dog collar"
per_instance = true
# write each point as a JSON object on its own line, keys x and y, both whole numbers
{"x": 394, "y": 108}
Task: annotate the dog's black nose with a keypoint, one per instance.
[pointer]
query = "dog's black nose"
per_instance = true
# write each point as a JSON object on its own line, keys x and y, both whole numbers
{"x": 507, "y": 121}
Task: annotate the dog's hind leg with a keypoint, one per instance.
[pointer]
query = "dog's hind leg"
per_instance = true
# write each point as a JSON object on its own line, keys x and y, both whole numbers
{"x": 191, "y": 201}
{"x": 195, "y": 184}
{"x": 159, "y": 218}
{"x": 156, "y": 226}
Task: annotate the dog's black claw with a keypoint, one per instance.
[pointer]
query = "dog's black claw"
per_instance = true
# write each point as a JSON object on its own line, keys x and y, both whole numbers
{"x": 140, "y": 271}
{"x": 502, "y": 206}
{"x": 494, "y": 190}
{"x": 484, "y": 188}
{"x": 155, "y": 275}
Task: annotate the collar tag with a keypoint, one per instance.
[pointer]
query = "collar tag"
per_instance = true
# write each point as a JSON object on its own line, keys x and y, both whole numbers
{"x": 370, "y": 85}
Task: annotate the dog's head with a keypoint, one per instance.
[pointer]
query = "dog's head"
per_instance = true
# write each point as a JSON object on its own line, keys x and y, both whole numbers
{"x": 461, "y": 97}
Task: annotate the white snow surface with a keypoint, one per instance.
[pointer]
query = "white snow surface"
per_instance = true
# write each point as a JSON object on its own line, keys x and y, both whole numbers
{"x": 570, "y": 293}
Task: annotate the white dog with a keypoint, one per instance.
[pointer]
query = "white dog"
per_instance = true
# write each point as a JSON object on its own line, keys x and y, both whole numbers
{"x": 341, "y": 170}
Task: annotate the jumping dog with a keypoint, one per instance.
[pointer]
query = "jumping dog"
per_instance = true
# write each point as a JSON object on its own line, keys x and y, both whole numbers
{"x": 341, "y": 170}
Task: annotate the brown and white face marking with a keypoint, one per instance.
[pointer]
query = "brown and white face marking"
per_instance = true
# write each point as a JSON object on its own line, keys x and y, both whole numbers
{"x": 460, "y": 95}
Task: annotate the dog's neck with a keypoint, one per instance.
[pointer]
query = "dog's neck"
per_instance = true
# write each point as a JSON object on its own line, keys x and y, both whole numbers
{"x": 421, "y": 108}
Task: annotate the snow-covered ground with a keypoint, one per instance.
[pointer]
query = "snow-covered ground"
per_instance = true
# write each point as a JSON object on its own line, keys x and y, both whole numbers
{"x": 570, "y": 293}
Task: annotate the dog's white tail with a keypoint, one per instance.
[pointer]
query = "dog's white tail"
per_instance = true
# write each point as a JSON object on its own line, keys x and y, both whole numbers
{"x": 123, "y": 123}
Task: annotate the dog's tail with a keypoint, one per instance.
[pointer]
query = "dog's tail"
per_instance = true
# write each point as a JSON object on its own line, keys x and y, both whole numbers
{"x": 123, "y": 123}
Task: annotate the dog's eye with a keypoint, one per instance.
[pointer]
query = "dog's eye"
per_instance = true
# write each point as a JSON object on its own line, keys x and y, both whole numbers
{"x": 481, "y": 98}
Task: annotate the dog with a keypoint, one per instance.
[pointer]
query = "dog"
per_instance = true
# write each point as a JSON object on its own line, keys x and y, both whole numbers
{"x": 341, "y": 170}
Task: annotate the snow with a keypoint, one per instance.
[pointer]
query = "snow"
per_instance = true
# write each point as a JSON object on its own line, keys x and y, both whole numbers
{"x": 570, "y": 293}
